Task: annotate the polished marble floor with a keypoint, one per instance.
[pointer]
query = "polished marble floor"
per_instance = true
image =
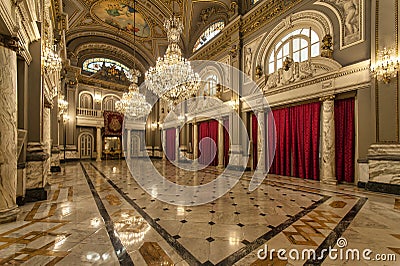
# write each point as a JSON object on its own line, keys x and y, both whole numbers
{"x": 96, "y": 214}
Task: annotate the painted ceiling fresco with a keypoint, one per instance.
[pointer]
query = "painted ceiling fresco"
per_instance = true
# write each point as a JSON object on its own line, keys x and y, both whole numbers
{"x": 120, "y": 15}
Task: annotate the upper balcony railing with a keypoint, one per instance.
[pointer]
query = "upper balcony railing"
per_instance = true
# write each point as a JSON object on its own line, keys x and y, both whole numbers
{"x": 89, "y": 112}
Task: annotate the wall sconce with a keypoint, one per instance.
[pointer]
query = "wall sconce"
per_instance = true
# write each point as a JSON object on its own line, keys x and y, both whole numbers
{"x": 97, "y": 98}
{"x": 386, "y": 66}
{"x": 153, "y": 126}
{"x": 51, "y": 61}
{"x": 65, "y": 118}
{"x": 62, "y": 105}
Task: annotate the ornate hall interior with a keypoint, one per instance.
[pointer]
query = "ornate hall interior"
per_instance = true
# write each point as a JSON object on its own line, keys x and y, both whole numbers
{"x": 199, "y": 132}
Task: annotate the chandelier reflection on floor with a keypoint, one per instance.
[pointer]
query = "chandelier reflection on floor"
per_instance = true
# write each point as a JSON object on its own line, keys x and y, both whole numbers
{"x": 133, "y": 104}
{"x": 173, "y": 78}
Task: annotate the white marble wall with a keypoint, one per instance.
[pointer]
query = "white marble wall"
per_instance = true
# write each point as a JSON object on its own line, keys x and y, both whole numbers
{"x": 47, "y": 136}
{"x": 8, "y": 134}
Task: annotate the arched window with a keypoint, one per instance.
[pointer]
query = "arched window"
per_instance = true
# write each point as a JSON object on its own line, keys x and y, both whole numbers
{"x": 94, "y": 64}
{"x": 211, "y": 85}
{"x": 300, "y": 45}
{"x": 86, "y": 101}
{"x": 109, "y": 103}
{"x": 208, "y": 34}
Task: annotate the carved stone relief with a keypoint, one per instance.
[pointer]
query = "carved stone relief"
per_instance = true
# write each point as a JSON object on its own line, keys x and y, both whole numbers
{"x": 350, "y": 16}
{"x": 290, "y": 73}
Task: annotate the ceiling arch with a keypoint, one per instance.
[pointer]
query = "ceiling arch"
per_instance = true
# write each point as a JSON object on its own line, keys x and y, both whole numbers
{"x": 91, "y": 50}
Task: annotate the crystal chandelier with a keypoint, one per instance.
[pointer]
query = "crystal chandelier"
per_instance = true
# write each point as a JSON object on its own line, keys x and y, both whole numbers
{"x": 51, "y": 60}
{"x": 133, "y": 104}
{"x": 387, "y": 66}
{"x": 173, "y": 78}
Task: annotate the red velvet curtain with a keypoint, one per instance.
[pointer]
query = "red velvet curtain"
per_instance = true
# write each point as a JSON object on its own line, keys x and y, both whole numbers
{"x": 208, "y": 132}
{"x": 344, "y": 139}
{"x": 226, "y": 141}
{"x": 203, "y": 143}
{"x": 170, "y": 145}
{"x": 254, "y": 136}
{"x": 297, "y": 141}
{"x": 281, "y": 163}
{"x": 304, "y": 120}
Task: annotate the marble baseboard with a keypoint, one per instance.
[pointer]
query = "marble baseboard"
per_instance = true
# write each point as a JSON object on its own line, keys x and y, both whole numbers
{"x": 384, "y": 163}
{"x": 363, "y": 171}
{"x": 33, "y": 195}
{"x": 55, "y": 169}
{"x": 382, "y": 187}
{"x": 361, "y": 184}
{"x": 384, "y": 171}
{"x": 69, "y": 155}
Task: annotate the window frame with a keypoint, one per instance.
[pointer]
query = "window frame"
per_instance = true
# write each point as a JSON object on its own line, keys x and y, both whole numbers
{"x": 102, "y": 60}
{"x": 198, "y": 45}
{"x": 276, "y": 54}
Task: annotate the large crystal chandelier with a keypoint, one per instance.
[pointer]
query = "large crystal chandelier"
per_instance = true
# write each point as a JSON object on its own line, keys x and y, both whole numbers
{"x": 133, "y": 104}
{"x": 173, "y": 78}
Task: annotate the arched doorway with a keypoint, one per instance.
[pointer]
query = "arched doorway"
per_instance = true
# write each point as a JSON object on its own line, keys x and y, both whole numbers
{"x": 86, "y": 146}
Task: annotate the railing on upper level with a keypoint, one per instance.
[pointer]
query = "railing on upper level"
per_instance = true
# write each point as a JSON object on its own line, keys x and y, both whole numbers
{"x": 89, "y": 112}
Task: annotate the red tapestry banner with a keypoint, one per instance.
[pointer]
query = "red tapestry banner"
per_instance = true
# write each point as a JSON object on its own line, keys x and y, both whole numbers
{"x": 113, "y": 123}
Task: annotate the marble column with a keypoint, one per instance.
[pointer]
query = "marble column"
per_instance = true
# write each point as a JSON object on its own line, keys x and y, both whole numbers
{"x": 328, "y": 174}
{"x": 98, "y": 144}
{"x": 128, "y": 144}
{"x": 261, "y": 145}
{"x": 164, "y": 143}
{"x": 38, "y": 152}
{"x": 220, "y": 143}
{"x": 8, "y": 135}
{"x": 47, "y": 138}
{"x": 195, "y": 141}
{"x": 177, "y": 150}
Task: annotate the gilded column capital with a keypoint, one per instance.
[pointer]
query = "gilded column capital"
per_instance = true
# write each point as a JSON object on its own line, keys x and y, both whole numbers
{"x": 327, "y": 98}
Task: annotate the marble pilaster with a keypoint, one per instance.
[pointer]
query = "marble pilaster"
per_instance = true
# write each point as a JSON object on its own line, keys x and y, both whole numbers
{"x": 195, "y": 141}
{"x": 220, "y": 143}
{"x": 8, "y": 135}
{"x": 261, "y": 141}
{"x": 177, "y": 150}
{"x": 98, "y": 144}
{"x": 328, "y": 174}
{"x": 47, "y": 136}
{"x": 164, "y": 141}
{"x": 128, "y": 144}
